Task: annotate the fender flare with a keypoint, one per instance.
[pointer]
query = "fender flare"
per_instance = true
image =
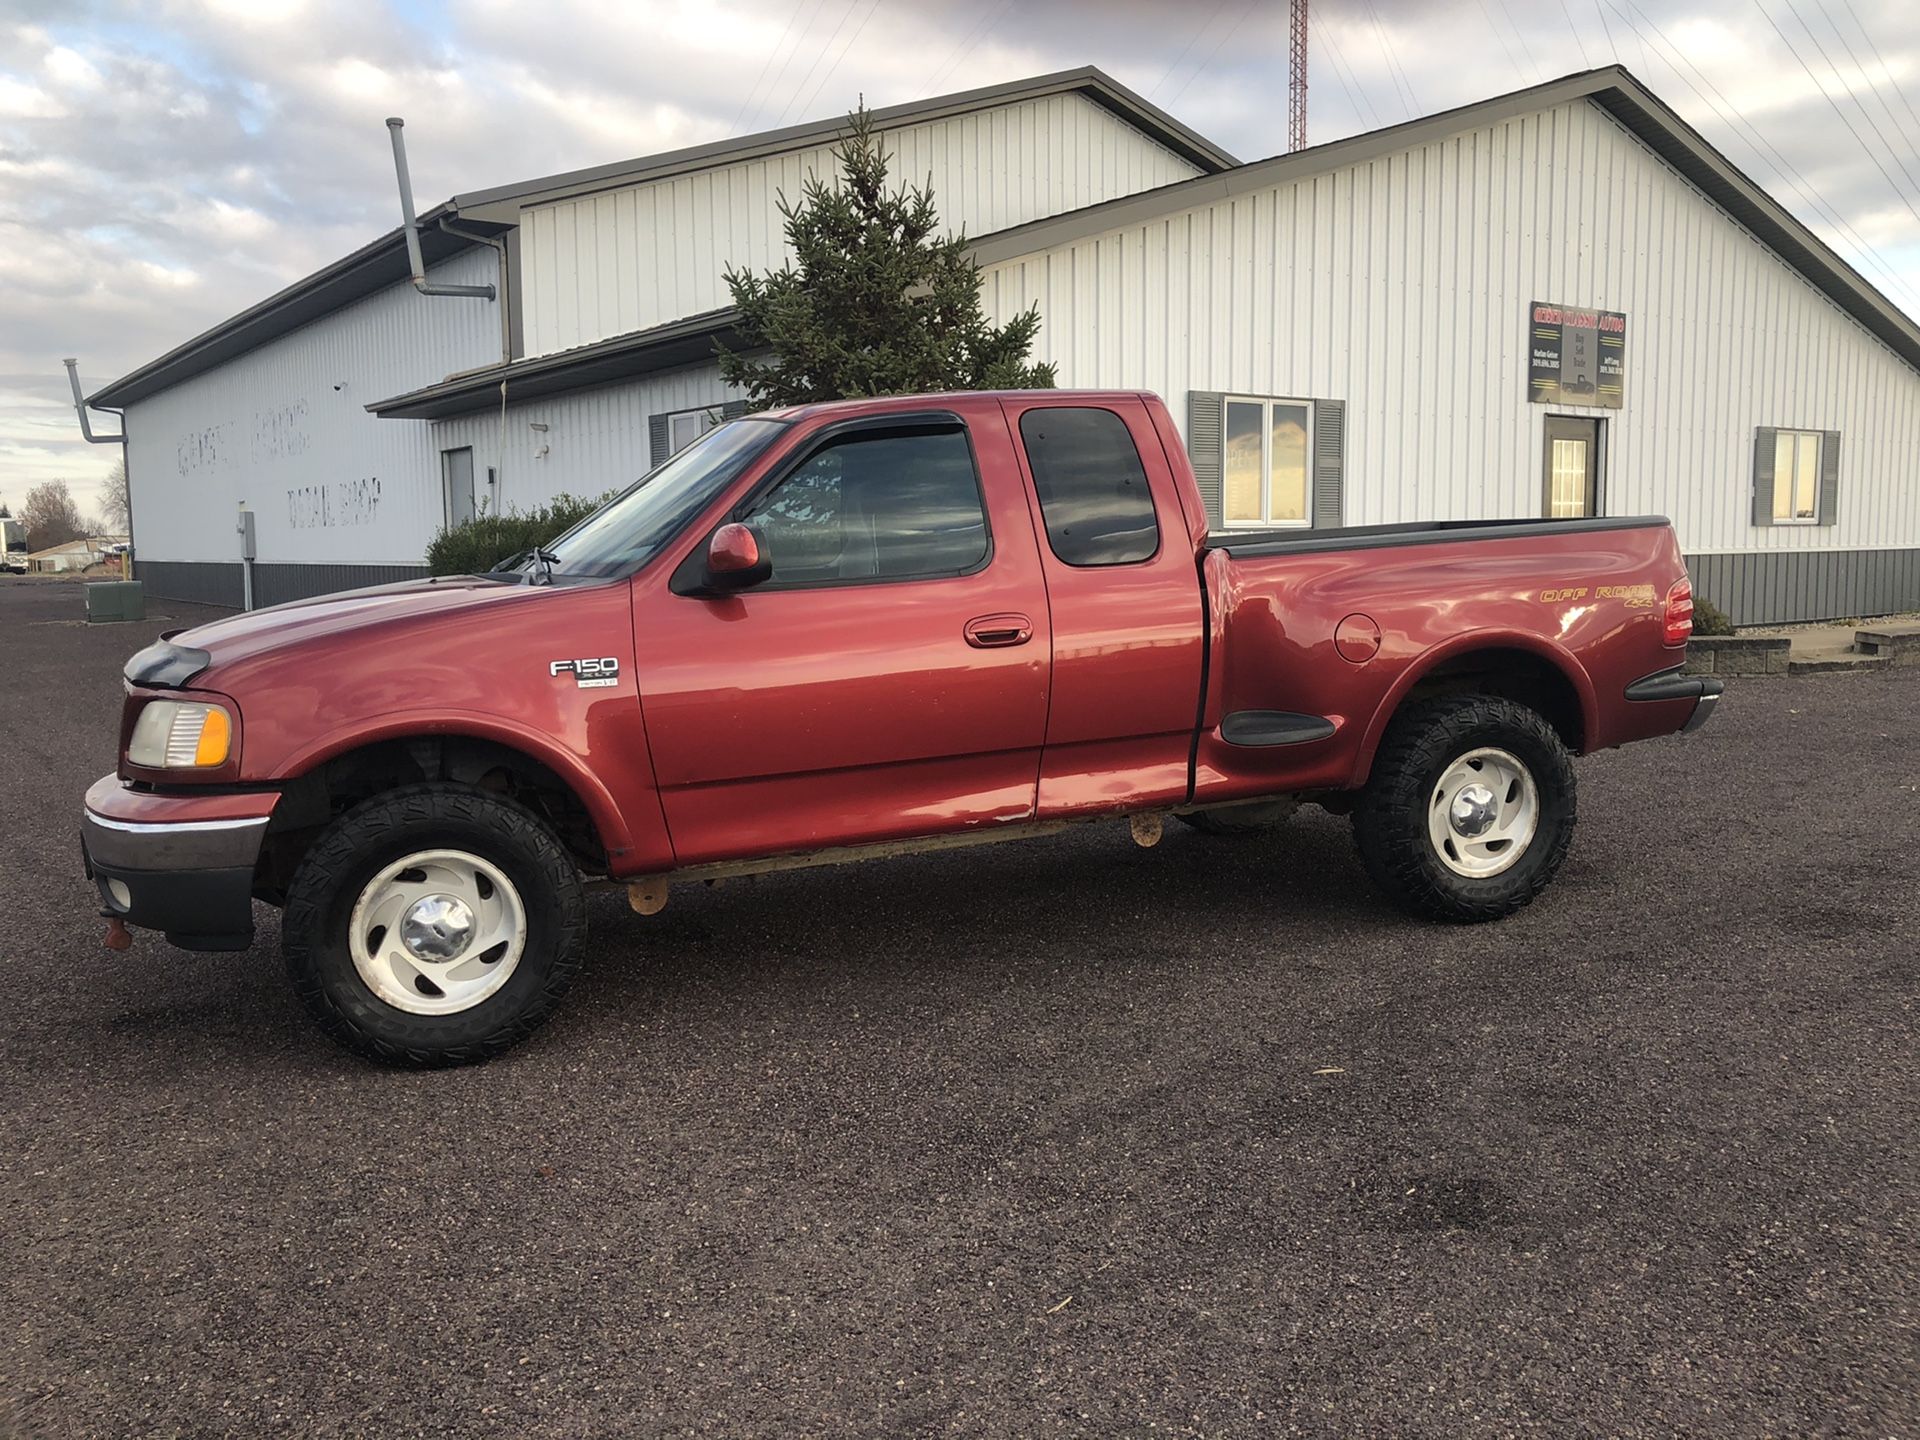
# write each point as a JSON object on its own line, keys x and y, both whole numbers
{"x": 1431, "y": 659}
{"x": 473, "y": 725}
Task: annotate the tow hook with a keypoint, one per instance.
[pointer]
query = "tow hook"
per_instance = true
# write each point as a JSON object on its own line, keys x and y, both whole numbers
{"x": 118, "y": 936}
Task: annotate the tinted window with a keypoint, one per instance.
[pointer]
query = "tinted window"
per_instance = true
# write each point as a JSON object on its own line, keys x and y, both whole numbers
{"x": 895, "y": 505}
{"x": 1093, "y": 490}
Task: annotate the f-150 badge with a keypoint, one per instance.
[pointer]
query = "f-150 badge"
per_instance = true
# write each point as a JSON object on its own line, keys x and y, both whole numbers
{"x": 588, "y": 674}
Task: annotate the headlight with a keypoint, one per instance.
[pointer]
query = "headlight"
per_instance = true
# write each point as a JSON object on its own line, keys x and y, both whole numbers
{"x": 177, "y": 735}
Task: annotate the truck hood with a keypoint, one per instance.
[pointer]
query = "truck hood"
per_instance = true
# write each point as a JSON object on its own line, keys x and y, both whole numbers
{"x": 262, "y": 634}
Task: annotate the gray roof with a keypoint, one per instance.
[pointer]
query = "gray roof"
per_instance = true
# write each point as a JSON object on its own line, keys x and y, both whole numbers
{"x": 1612, "y": 88}
{"x": 384, "y": 261}
{"x": 1088, "y": 80}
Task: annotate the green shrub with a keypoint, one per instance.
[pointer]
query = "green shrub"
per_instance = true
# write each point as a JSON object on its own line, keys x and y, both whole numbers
{"x": 1710, "y": 619}
{"x": 484, "y": 541}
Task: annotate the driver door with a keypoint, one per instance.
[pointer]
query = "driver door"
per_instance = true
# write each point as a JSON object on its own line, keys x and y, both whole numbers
{"x": 888, "y": 680}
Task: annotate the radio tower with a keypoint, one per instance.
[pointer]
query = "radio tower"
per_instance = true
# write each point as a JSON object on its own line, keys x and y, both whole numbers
{"x": 1297, "y": 89}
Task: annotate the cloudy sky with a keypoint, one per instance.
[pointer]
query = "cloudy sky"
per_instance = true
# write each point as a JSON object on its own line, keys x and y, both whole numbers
{"x": 164, "y": 164}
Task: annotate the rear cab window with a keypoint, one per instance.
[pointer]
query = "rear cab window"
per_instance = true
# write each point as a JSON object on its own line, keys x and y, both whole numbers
{"x": 1093, "y": 489}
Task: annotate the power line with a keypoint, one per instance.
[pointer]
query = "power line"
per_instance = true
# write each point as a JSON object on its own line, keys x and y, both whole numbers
{"x": 1585, "y": 63}
{"x": 1505, "y": 49}
{"x": 1838, "y": 111}
{"x": 792, "y": 16}
{"x": 1396, "y": 73}
{"x": 1872, "y": 89}
{"x": 845, "y": 15}
{"x": 787, "y": 59}
{"x": 1892, "y": 83}
{"x": 1339, "y": 63}
{"x": 851, "y": 39}
{"x": 1762, "y": 148}
{"x": 1201, "y": 67}
{"x": 1192, "y": 40}
{"x": 1607, "y": 25}
{"x": 1525, "y": 49}
{"x": 965, "y": 47}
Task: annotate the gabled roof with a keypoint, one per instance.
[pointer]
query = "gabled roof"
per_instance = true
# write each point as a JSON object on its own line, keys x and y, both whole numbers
{"x": 1089, "y": 81}
{"x": 1612, "y": 88}
{"x": 372, "y": 267}
{"x": 383, "y": 262}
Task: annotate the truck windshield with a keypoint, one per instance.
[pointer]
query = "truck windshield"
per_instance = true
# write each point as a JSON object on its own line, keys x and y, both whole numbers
{"x": 629, "y": 529}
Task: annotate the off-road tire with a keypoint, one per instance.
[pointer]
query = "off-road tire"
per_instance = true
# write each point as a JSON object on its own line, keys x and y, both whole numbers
{"x": 1390, "y": 821}
{"x": 1239, "y": 822}
{"x": 313, "y": 925}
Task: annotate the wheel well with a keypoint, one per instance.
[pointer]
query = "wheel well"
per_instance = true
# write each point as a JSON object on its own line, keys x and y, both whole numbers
{"x": 313, "y": 801}
{"x": 1517, "y": 675}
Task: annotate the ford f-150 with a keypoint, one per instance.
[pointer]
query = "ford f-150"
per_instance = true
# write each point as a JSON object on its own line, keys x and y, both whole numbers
{"x": 851, "y": 629}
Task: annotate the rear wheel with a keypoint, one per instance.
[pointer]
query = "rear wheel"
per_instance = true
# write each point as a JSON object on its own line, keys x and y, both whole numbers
{"x": 434, "y": 925}
{"x": 1470, "y": 808}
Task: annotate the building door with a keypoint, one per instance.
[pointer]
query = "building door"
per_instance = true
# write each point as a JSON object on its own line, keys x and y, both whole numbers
{"x": 456, "y": 471}
{"x": 1572, "y": 467}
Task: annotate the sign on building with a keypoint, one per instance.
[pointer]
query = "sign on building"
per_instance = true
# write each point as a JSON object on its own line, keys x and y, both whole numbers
{"x": 1577, "y": 357}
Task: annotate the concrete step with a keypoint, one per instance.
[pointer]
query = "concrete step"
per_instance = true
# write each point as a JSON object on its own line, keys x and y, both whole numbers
{"x": 1897, "y": 643}
{"x": 1837, "y": 662}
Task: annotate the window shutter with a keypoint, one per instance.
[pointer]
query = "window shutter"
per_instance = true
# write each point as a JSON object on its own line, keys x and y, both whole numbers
{"x": 1764, "y": 439}
{"x": 734, "y": 409}
{"x": 658, "y": 445}
{"x": 1206, "y": 418}
{"x": 1829, "y": 507}
{"x": 1329, "y": 462}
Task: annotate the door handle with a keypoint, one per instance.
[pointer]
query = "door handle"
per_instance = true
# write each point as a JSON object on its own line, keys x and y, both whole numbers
{"x": 992, "y": 632}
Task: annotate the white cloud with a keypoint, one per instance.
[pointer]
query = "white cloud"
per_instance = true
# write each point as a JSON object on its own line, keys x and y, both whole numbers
{"x": 164, "y": 163}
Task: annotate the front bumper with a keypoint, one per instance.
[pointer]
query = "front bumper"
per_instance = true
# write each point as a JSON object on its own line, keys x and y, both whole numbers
{"x": 180, "y": 864}
{"x": 1703, "y": 690}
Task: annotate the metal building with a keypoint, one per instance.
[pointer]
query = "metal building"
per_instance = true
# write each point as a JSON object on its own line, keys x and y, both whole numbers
{"x": 1557, "y": 302}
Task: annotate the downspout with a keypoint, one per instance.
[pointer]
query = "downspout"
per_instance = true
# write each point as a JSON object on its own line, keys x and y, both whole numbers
{"x": 412, "y": 226}
{"x": 80, "y": 409}
{"x": 86, "y": 433}
{"x": 499, "y": 248}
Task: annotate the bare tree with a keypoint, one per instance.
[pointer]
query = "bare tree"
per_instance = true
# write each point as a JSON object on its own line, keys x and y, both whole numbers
{"x": 50, "y": 517}
{"x": 116, "y": 505}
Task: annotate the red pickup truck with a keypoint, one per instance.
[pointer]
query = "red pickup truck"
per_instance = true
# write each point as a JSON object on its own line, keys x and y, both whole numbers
{"x": 851, "y": 629}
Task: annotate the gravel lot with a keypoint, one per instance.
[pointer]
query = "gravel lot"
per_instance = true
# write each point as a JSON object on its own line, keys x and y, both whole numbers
{"x": 1064, "y": 1137}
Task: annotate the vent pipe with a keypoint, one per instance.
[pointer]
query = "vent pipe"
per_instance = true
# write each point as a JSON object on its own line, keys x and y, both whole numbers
{"x": 80, "y": 409}
{"x": 412, "y": 225}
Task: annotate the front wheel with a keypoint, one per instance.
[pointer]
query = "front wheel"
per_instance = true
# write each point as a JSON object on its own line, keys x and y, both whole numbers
{"x": 1470, "y": 808}
{"x": 434, "y": 925}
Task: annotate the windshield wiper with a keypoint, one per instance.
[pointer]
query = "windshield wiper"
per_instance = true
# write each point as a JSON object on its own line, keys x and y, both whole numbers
{"x": 546, "y": 560}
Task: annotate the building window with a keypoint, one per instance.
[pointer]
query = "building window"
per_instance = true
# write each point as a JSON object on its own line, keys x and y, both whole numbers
{"x": 1092, "y": 487}
{"x": 686, "y": 426}
{"x": 891, "y": 505}
{"x": 1267, "y": 462}
{"x": 1796, "y": 477}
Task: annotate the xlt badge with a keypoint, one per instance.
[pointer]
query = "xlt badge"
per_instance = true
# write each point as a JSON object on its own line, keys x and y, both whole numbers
{"x": 588, "y": 674}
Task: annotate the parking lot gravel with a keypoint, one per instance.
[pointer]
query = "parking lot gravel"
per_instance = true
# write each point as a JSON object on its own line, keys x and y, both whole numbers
{"x": 1064, "y": 1137}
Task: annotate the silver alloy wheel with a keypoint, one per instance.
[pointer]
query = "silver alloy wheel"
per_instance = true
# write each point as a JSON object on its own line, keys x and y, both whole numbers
{"x": 437, "y": 932}
{"x": 1484, "y": 813}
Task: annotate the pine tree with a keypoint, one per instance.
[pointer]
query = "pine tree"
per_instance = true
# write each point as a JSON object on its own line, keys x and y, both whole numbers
{"x": 878, "y": 303}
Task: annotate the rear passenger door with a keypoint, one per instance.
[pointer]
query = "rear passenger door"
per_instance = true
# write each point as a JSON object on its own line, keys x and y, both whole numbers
{"x": 888, "y": 680}
{"x": 1124, "y": 591}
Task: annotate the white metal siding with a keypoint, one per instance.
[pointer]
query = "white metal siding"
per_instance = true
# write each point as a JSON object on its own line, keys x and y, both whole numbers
{"x": 629, "y": 258}
{"x": 284, "y": 428}
{"x": 1400, "y": 285}
{"x": 595, "y": 440}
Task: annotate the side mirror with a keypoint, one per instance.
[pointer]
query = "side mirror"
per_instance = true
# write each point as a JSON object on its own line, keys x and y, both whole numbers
{"x": 734, "y": 559}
